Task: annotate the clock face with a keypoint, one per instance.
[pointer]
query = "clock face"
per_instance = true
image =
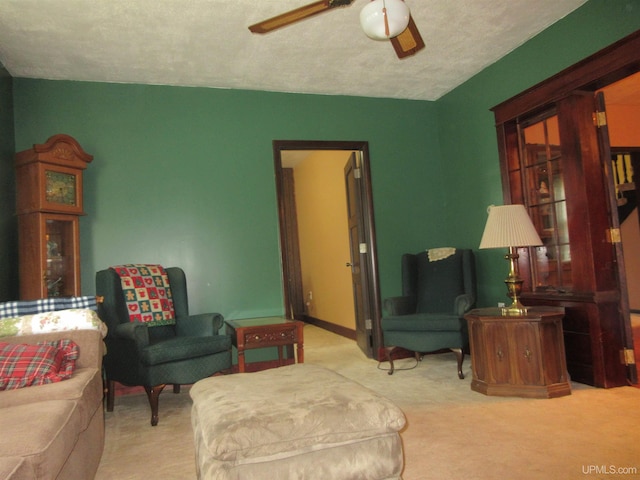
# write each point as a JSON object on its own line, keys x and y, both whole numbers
{"x": 60, "y": 187}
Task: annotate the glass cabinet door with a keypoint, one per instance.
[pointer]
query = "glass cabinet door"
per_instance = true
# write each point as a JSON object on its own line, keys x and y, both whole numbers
{"x": 544, "y": 197}
{"x": 49, "y": 255}
{"x": 60, "y": 277}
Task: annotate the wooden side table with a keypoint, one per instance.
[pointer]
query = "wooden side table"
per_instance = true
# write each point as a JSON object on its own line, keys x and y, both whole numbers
{"x": 518, "y": 355}
{"x": 250, "y": 333}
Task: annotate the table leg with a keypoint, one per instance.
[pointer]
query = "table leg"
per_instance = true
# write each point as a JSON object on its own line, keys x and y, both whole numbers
{"x": 279, "y": 355}
{"x": 300, "y": 343}
{"x": 241, "y": 365}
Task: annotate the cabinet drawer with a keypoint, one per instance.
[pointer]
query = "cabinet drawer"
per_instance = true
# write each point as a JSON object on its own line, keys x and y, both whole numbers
{"x": 283, "y": 336}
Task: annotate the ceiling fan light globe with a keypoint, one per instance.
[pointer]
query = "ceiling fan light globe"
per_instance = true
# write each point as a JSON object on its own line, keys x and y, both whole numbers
{"x": 372, "y": 18}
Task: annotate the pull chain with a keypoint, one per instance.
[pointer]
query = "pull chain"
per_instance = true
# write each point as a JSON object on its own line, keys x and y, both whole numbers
{"x": 386, "y": 19}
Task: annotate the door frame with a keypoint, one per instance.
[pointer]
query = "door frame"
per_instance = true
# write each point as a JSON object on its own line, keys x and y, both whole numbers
{"x": 289, "y": 279}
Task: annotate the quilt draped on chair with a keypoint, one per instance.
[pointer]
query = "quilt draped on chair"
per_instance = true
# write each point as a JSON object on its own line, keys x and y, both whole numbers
{"x": 147, "y": 293}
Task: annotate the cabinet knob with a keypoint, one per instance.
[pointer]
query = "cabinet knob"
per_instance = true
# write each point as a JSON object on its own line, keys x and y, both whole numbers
{"x": 499, "y": 354}
{"x": 527, "y": 354}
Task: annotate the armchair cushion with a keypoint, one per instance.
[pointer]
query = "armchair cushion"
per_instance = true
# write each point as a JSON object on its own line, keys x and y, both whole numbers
{"x": 136, "y": 332}
{"x": 422, "y": 322}
{"x": 438, "y": 281}
{"x": 400, "y": 305}
{"x": 463, "y": 303}
{"x": 183, "y": 348}
{"x": 199, "y": 325}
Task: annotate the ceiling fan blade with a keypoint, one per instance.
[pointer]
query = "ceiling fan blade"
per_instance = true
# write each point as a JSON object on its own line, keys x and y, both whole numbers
{"x": 297, "y": 15}
{"x": 409, "y": 41}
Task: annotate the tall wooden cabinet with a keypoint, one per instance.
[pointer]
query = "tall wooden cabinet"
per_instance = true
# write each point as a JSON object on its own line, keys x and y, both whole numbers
{"x": 49, "y": 203}
{"x": 555, "y": 159}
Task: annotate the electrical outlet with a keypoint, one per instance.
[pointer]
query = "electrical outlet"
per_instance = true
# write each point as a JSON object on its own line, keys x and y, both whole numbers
{"x": 501, "y": 305}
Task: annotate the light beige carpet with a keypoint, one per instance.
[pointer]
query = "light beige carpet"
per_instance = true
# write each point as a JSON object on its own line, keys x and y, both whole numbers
{"x": 452, "y": 432}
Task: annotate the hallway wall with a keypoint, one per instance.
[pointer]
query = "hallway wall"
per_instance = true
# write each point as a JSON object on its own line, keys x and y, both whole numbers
{"x": 321, "y": 204}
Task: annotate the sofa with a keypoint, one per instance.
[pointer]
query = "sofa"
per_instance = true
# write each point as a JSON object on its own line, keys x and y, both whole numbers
{"x": 52, "y": 430}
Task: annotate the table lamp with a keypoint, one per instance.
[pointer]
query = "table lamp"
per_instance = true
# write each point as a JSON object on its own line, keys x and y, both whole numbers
{"x": 509, "y": 226}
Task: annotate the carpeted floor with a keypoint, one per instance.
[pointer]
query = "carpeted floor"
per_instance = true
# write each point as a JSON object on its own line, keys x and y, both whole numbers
{"x": 451, "y": 433}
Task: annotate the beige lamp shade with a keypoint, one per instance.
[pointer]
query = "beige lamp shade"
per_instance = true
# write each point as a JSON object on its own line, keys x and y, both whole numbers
{"x": 509, "y": 226}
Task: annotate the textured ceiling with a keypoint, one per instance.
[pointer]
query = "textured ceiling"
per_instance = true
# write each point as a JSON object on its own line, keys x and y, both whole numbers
{"x": 206, "y": 43}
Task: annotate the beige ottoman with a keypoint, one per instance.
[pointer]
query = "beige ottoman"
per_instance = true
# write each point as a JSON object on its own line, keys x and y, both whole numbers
{"x": 296, "y": 422}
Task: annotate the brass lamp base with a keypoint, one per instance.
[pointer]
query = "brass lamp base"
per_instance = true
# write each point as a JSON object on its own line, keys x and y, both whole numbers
{"x": 514, "y": 287}
{"x": 514, "y": 310}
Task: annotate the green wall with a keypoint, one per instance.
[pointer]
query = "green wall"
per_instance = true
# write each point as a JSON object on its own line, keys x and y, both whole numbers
{"x": 185, "y": 176}
{"x": 8, "y": 223}
{"x": 467, "y": 131}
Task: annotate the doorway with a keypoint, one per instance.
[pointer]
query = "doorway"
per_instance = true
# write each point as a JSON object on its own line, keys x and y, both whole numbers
{"x": 300, "y": 301}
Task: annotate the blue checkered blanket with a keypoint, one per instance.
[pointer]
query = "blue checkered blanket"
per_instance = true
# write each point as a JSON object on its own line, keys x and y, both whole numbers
{"x": 31, "y": 307}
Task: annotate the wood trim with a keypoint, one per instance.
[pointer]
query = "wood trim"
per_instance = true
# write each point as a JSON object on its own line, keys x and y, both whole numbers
{"x": 295, "y": 297}
{"x": 331, "y": 327}
{"x": 604, "y": 67}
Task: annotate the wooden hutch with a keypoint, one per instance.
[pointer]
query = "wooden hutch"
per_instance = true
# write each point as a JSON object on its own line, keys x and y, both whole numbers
{"x": 555, "y": 159}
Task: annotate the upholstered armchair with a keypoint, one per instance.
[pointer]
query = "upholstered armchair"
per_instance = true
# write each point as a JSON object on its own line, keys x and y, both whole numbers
{"x": 152, "y": 339}
{"x": 438, "y": 287}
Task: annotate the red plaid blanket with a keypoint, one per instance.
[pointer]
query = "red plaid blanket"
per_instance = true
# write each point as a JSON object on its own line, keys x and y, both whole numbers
{"x": 25, "y": 365}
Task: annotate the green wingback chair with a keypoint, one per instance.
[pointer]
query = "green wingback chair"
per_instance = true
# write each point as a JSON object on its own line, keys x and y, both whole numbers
{"x": 154, "y": 356}
{"x": 437, "y": 293}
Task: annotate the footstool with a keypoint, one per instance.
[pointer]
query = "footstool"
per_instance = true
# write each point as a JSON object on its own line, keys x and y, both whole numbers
{"x": 301, "y": 421}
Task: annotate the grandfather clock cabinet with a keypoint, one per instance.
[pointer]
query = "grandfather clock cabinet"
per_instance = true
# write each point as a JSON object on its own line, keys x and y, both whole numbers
{"x": 49, "y": 204}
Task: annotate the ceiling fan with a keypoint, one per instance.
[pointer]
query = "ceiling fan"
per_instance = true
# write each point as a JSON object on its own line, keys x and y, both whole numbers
{"x": 405, "y": 43}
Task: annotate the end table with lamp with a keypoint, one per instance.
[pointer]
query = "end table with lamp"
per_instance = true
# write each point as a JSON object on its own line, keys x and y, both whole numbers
{"x": 516, "y": 350}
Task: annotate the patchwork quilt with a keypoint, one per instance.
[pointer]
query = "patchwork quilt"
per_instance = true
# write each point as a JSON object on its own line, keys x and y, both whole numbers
{"x": 147, "y": 293}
